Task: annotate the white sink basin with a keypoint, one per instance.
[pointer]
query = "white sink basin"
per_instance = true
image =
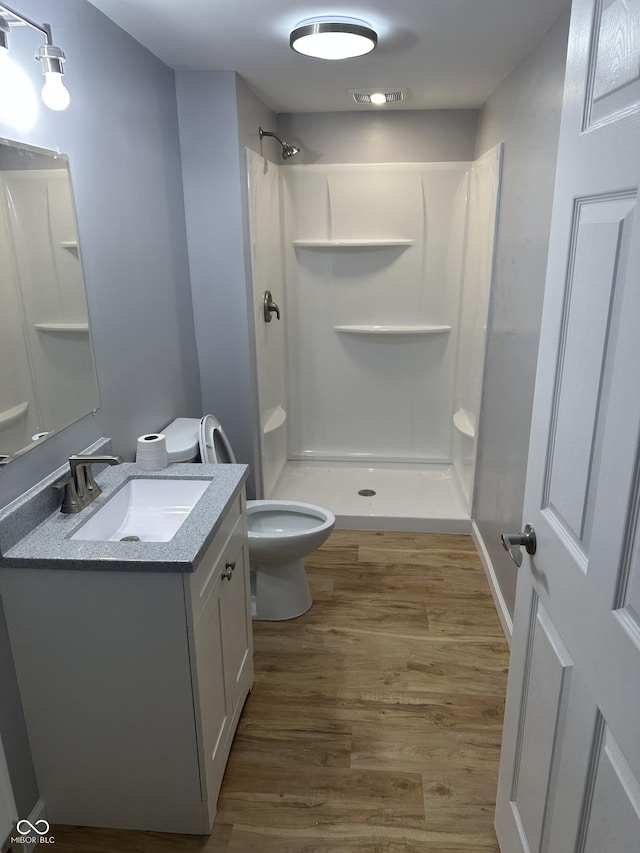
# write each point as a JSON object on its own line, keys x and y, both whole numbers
{"x": 148, "y": 510}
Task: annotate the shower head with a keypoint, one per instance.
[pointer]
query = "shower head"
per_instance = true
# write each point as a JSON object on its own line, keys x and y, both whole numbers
{"x": 287, "y": 150}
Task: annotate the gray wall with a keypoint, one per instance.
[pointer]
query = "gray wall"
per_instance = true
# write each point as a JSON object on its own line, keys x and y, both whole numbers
{"x": 398, "y": 136}
{"x": 120, "y": 133}
{"x": 524, "y": 112}
{"x": 218, "y": 116}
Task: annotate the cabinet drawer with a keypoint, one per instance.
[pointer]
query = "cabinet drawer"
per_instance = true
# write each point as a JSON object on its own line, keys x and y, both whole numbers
{"x": 229, "y": 537}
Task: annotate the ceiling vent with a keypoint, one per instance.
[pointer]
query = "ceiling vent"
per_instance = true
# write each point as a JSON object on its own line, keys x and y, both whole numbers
{"x": 377, "y": 97}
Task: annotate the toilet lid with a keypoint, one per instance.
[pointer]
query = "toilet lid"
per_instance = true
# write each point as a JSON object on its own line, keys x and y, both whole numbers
{"x": 214, "y": 445}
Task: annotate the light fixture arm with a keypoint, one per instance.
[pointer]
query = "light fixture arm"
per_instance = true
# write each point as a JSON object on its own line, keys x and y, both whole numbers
{"x": 45, "y": 29}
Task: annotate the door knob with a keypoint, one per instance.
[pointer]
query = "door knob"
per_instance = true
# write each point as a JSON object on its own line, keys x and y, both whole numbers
{"x": 513, "y": 542}
{"x": 269, "y": 306}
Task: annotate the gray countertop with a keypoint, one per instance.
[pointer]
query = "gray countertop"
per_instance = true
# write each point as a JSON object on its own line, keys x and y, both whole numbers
{"x": 48, "y": 545}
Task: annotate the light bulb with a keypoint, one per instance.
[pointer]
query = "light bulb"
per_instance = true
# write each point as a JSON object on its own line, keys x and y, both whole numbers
{"x": 54, "y": 93}
{"x": 378, "y": 98}
{"x": 18, "y": 101}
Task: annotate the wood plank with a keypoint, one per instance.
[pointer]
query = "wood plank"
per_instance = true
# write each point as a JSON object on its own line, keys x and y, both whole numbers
{"x": 430, "y": 557}
{"x": 361, "y": 839}
{"x": 431, "y": 753}
{"x": 459, "y": 712}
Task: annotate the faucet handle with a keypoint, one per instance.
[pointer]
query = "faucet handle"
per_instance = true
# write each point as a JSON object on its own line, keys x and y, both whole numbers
{"x": 70, "y": 502}
{"x": 93, "y": 488}
{"x": 85, "y": 485}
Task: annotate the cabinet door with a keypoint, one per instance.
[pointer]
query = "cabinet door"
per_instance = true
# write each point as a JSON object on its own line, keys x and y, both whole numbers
{"x": 237, "y": 638}
{"x": 212, "y": 702}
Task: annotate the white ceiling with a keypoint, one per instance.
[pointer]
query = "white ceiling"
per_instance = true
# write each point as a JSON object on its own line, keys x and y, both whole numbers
{"x": 445, "y": 53}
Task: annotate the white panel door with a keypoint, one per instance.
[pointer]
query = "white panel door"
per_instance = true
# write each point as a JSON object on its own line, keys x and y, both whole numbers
{"x": 570, "y": 765}
{"x": 8, "y": 811}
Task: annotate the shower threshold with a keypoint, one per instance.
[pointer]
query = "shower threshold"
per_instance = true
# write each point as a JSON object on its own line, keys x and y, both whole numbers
{"x": 408, "y": 498}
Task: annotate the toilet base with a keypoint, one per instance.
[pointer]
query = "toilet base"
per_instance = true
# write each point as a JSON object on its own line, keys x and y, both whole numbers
{"x": 281, "y": 590}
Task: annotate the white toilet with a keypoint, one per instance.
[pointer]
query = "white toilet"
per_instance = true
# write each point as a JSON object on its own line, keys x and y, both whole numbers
{"x": 281, "y": 533}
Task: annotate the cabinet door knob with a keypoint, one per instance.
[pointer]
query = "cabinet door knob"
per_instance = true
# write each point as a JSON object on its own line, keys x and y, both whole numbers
{"x": 230, "y": 565}
{"x": 227, "y": 574}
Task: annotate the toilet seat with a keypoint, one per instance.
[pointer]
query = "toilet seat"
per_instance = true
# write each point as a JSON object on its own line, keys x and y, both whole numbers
{"x": 286, "y": 519}
{"x": 214, "y": 445}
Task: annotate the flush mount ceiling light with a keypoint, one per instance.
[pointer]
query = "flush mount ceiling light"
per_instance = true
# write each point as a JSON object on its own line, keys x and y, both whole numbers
{"x": 51, "y": 58}
{"x": 333, "y": 38}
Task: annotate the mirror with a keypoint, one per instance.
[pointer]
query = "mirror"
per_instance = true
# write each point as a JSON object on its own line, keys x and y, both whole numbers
{"x": 47, "y": 372}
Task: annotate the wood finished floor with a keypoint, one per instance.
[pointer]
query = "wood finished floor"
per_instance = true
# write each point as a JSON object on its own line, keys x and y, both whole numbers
{"x": 375, "y": 720}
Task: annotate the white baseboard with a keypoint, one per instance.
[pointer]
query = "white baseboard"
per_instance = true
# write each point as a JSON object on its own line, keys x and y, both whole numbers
{"x": 498, "y": 598}
{"x": 38, "y": 812}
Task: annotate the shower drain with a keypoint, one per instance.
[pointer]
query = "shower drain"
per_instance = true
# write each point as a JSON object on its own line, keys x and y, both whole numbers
{"x": 366, "y": 493}
{"x": 130, "y": 539}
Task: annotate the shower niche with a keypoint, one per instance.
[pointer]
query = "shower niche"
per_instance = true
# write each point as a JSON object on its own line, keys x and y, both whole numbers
{"x": 386, "y": 271}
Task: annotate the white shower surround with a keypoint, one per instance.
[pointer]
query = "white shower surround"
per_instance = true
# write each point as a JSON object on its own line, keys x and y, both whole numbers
{"x": 381, "y": 347}
{"x": 268, "y": 274}
{"x": 482, "y": 213}
{"x": 380, "y": 246}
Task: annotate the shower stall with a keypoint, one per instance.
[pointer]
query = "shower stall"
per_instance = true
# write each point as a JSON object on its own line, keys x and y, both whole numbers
{"x": 369, "y": 385}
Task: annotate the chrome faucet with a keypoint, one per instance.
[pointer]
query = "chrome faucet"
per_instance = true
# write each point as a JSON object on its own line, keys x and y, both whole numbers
{"x": 78, "y": 486}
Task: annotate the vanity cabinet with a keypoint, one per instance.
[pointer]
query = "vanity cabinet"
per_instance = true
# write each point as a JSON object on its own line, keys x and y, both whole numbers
{"x": 132, "y": 683}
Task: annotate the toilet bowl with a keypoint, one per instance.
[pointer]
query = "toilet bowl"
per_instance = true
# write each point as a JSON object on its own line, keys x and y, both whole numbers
{"x": 281, "y": 533}
{"x": 286, "y": 530}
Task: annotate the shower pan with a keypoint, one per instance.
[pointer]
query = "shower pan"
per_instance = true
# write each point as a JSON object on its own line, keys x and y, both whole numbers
{"x": 379, "y": 353}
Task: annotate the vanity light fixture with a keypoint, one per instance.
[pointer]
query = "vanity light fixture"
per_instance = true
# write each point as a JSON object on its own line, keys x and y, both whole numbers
{"x": 54, "y": 93}
{"x": 4, "y": 36}
{"x": 333, "y": 38}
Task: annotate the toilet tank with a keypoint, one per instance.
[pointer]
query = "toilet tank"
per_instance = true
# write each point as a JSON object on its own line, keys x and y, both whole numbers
{"x": 182, "y": 437}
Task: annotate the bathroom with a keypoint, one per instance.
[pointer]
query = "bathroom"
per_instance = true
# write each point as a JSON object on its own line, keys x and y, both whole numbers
{"x": 156, "y": 155}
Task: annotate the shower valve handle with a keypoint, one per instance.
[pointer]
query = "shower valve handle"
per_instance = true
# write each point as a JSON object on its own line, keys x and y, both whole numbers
{"x": 269, "y": 306}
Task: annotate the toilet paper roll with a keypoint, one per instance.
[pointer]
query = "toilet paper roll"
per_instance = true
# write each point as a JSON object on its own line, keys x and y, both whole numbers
{"x": 151, "y": 452}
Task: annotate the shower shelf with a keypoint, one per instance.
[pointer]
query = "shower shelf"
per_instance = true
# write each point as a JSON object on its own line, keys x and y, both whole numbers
{"x": 13, "y": 415}
{"x": 273, "y": 419}
{"x": 352, "y": 244}
{"x": 392, "y": 330}
{"x": 63, "y": 328}
{"x": 462, "y": 422}
{"x": 72, "y": 245}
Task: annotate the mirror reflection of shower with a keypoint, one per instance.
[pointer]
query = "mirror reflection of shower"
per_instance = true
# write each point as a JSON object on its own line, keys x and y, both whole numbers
{"x": 287, "y": 150}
